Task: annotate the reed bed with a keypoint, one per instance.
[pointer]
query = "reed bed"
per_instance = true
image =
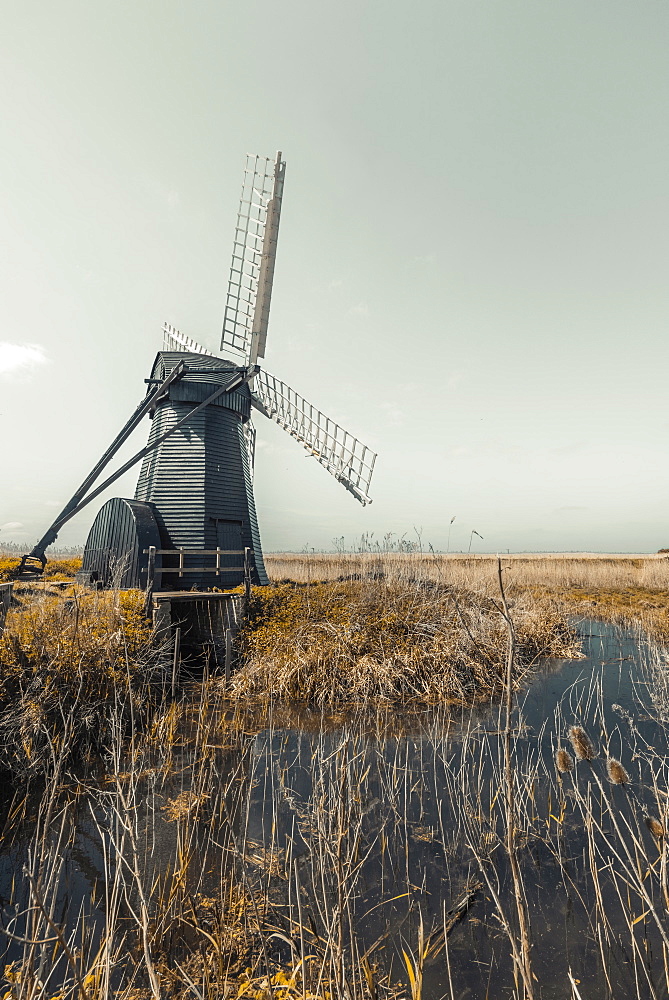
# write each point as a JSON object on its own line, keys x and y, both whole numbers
{"x": 227, "y": 856}
{"x": 556, "y": 571}
{"x": 624, "y": 589}
{"x": 203, "y": 847}
{"x": 67, "y": 661}
{"x": 356, "y": 641}
{"x": 182, "y": 901}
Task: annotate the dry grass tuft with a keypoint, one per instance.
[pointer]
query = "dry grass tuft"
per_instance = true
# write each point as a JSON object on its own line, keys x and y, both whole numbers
{"x": 351, "y": 641}
{"x": 186, "y": 803}
{"x": 623, "y": 589}
{"x": 56, "y": 569}
{"x": 66, "y": 666}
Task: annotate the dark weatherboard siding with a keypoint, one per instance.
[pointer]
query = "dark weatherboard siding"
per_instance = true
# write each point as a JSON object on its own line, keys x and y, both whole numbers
{"x": 199, "y": 478}
{"x": 115, "y": 553}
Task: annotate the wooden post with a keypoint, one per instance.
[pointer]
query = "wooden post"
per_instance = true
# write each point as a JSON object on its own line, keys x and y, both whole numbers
{"x": 247, "y": 578}
{"x": 150, "y": 580}
{"x": 5, "y": 602}
{"x": 207, "y": 657}
{"x": 175, "y": 659}
{"x": 228, "y": 654}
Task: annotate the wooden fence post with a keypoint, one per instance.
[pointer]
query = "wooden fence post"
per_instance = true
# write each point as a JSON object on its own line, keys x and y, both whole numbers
{"x": 247, "y": 578}
{"x": 175, "y": 659}
{"x": 5, "y": 602}
{"x": 228, "y": 654}
{"x": 150, "y": 580}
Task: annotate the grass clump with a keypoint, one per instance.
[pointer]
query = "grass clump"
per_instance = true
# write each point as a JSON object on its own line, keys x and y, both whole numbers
{"x": 354, "y": 640}
{"x": 640, "y": 606}
{"x": 622, "y": 589}
{"x": 55, "y": 569}
{"x": 68, "y": 667}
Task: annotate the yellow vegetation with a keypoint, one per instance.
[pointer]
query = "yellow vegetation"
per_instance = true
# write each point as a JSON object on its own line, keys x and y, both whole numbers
{"x": 65, "y": 664}
{"x": 648, "y": 609}
{"x": 349, "y": 641}
{"x": 55, "y": 569}
{"x": 625, "y": 589}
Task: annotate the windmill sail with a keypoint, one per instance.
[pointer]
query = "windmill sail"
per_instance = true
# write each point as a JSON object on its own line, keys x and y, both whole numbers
{"x": 344, "y": 456}
{"x": 250, "y": 439}
{"x": 174, "y": 340}
{"x": 249, "y": 293}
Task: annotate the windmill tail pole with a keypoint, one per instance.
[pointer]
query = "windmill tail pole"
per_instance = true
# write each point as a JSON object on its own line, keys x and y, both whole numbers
{"x": 37, "y": 553}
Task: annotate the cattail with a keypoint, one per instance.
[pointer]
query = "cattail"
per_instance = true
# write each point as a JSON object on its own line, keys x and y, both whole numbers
{"x": 655, "y": 827}
{"x": 581, "y": 743}
{"x": 564, "y": 761}
{"x": 617, "y": 773}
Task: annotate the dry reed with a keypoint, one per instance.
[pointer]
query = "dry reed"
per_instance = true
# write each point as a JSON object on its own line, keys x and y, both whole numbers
{"x": 556, "y": 572}
{"x": 354, "y": 641}
{"x": 625, "y": 589}
{"x": 66, "y": 665}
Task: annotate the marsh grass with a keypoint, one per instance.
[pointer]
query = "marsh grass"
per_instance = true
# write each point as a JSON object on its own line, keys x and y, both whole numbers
{"x": 249, "y": 856}
{"x": 233, "y": 850}
{"x": 185, "y": 903}
{"x": 623, "y": 589}
{"x": 67, "y": 664}
{"x": 357, "y": 641}
{"x": 555, "y": 571}
{"x": 624, "y": 606}
{"x": 57, "y": 568}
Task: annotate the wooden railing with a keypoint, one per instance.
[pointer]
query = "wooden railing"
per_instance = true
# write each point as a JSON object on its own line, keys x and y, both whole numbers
{"x": 182, "y": 568}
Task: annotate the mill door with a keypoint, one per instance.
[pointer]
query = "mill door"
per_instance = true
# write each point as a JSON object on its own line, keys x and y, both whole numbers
{"x": 229, "y": 538}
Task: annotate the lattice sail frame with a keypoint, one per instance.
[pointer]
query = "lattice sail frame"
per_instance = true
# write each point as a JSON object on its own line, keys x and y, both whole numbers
{"x": 344, "y": 456}
{"x": 174, "y": 340}
{"x": 250, "y": 441}
{"x": 246, "y": 313}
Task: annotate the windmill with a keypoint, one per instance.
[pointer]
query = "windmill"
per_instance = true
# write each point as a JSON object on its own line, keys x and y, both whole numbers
{"x": 194, "y": 500}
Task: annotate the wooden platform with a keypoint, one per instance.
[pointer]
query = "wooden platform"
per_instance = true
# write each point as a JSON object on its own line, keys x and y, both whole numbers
{"x": 204, "y": 624}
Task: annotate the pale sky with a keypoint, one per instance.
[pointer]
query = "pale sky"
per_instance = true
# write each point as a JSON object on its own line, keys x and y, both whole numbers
{"x": 472, "y": 266}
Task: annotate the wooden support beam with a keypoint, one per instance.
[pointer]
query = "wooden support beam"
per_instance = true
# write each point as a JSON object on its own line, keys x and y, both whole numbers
{"x": 75, "y": 503}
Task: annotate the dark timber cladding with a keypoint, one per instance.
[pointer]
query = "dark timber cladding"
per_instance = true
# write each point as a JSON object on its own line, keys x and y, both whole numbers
{"x": 199, "y": 478}
{"x": 114, "y": 553}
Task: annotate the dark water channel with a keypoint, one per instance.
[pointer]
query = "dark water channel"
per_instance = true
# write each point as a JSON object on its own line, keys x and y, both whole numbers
{"x": 368, "y": 833}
